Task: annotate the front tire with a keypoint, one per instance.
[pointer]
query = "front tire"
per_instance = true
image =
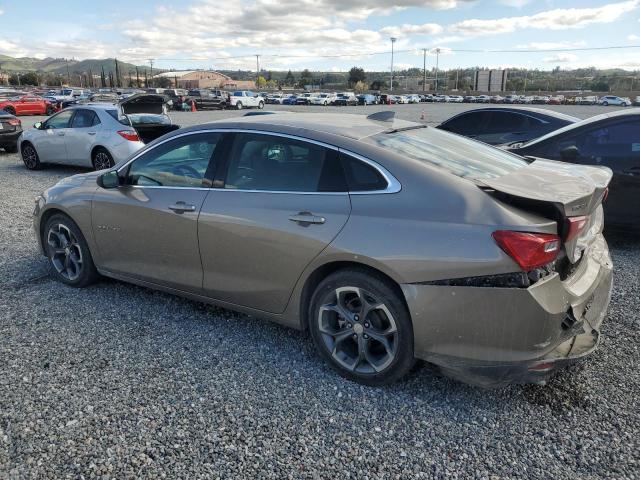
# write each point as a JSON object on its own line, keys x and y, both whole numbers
{"x": 68, "y": 252}
{"x": 50, "y": 110}
{"x": 10, "y": 110}
{"x": 102, "y": 159}
{"x": 30, "y": 157}
{"x": 605, "y": 104}
{"x": 361, "y": 327}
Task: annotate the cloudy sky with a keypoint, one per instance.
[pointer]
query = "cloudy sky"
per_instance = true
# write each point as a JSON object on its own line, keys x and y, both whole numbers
{"x": 326, "y": 34}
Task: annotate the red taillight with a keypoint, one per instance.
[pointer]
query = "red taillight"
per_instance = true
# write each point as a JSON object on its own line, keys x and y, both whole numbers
{"x": 574, "y": 227}
{"x": 606, "y": 195}
{"x": 529, "y": 250}
{"x": 14, "y": 121}
{"x": 129, "y": 135}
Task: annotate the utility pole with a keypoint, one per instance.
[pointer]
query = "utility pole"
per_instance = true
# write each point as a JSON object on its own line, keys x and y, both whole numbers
{"x": 151, "y": 74}
{"x": 137, "y": 78}
{"x": 437, "y": 60}
{"x": 393, "y": 40}
{"x": 257, "y": 71}
{"x": 457, "y": 72}
{"x": 68, "y": 75}
{"x": 424, "y": 69}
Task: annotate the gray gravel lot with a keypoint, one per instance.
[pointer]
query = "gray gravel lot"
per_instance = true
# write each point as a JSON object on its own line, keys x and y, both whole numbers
{"x": 116, "y": 381}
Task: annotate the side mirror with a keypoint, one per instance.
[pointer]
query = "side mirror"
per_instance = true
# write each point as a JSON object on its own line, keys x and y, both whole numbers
{"x": 37, "y": 125}
{"x": 570, "y": 153}
{"x": 110, "y": 179}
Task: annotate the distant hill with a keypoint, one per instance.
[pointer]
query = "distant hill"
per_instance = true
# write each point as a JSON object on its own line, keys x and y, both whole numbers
{"x": 59, "y": 65}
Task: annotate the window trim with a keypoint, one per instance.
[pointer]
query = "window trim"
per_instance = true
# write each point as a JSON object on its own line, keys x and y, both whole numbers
{"x": 393, "y": 185}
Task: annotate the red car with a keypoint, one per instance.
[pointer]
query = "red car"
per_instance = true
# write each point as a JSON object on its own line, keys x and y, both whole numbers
{"x": 27, "y": 105}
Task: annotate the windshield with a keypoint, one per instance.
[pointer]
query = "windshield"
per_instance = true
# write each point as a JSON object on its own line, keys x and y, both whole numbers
{"x": 458, "y": 155}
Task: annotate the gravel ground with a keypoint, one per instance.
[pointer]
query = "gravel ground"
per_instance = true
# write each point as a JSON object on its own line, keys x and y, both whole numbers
{"x": 116, "y": 381}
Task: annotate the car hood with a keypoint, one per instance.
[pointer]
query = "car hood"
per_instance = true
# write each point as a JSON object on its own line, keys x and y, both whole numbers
{"x": 144, "y": 103}
{"x": 575, "y": 189}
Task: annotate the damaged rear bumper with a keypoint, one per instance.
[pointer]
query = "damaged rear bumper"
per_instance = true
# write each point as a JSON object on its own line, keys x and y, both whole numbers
{"x": 493, "y": 336}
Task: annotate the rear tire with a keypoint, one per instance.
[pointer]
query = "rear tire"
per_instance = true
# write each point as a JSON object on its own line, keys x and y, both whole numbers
{"x": 605, "y": 104}
{"x": 68, "y": 252}
{"x": 261, "y": 105}
{"x": 30, "y": 157}
{"x": 10, "y": 110}
{"x": 361, "y": 327}
{"x": 50, "y": 110}
{"x": 101, "y": 159}
{"x": 239, "y": 106}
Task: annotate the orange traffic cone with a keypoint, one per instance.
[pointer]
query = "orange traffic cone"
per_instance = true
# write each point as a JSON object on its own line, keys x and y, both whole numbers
{"x": 193, "y": 106}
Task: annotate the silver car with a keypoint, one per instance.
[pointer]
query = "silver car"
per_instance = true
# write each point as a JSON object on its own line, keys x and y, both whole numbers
{"x": 387, "y": 240}
{"x": 96, "y": 135}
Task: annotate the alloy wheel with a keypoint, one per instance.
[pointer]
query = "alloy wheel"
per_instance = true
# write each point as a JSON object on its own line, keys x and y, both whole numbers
{"x": 358, "y": 330}
{"x": 102, "y": 161}
{"x": 64, "y": 252}
{"x": 30, "y": 157}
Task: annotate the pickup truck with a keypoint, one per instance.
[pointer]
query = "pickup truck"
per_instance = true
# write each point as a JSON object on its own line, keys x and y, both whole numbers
{"x": 245, "y": 99}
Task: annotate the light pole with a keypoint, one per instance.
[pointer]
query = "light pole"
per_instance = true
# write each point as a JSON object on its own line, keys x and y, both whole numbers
{"x": 393, "y": 40}
{"x": 424, "y": 69}
{"x": 437, "y": 59}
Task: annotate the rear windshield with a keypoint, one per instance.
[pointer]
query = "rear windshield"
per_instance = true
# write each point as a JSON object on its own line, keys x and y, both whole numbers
{"x": 458, "y": 155}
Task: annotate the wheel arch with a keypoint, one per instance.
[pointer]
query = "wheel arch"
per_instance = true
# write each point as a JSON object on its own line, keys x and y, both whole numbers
{"x": 323, "y": 271}
{"x": 44, "y": 218}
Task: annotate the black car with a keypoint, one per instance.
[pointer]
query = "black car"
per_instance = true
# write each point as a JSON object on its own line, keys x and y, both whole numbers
{"x": 499, "y": 125}
{"x": 208, "y": 100}
{"x": 610, "y": 140}
{"x": 10, "y": 130}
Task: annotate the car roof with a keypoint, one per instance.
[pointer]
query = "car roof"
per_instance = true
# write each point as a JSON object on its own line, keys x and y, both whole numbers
{"x": 347, "y": 125}
{"x": 539, "y": 112}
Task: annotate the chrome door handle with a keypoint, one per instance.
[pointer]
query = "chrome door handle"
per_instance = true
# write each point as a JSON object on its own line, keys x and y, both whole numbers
{"x": 181, "y": 207}
{"x": 307, "y": 218}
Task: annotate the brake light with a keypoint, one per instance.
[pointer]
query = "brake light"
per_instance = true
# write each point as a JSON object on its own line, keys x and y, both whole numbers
{"x": 529, "y": 250}
{"x": 129, "y": 135}
{"x": 574, "y": 226}
{"x": 14, "y": 121}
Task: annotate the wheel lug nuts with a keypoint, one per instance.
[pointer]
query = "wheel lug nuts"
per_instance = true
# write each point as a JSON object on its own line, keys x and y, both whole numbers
{"x": 366, "y": 325}
{"x": 356, "y": 317}
{"x": 349, "y": 325}
{"x": 366, "y": 336}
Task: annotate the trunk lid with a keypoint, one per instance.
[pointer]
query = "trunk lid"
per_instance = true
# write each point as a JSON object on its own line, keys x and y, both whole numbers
{"x": 144, "y": 103}
{"x": 557, "y": 190}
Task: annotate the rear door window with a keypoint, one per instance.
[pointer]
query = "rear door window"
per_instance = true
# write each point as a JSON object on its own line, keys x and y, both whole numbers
{"x": 467, "y": 124}
{"x": 281, "y": 164}
{"x": 84, "y": 119}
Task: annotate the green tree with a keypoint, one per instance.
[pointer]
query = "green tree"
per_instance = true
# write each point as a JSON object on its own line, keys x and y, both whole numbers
{"x": 356, "y": 74}
{"x": 289, "y": 80}
{"x": 378, "y": 85}
{"x": 163, "y": 82}
{"x": 306, "y": 78}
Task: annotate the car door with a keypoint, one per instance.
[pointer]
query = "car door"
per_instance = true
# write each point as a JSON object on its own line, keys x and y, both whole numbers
{"x": 147, "y": 228}
{"x": 80, "y": 136}
{"x": 50, "y": 141}
{"x": 614, "y": 144}
{"x": 282, "y": 202}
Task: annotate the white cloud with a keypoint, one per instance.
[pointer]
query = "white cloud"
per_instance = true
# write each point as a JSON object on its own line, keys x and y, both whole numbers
{"x": 1, "y": 11}
{"x": 552, "y": 45}
{"x": 408, "y": 29}
{"x": 558, "y": 19}
{"x": 515, "y": 3}
{"x": 633, "y": 37}
{"x": 561, "y": 58}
